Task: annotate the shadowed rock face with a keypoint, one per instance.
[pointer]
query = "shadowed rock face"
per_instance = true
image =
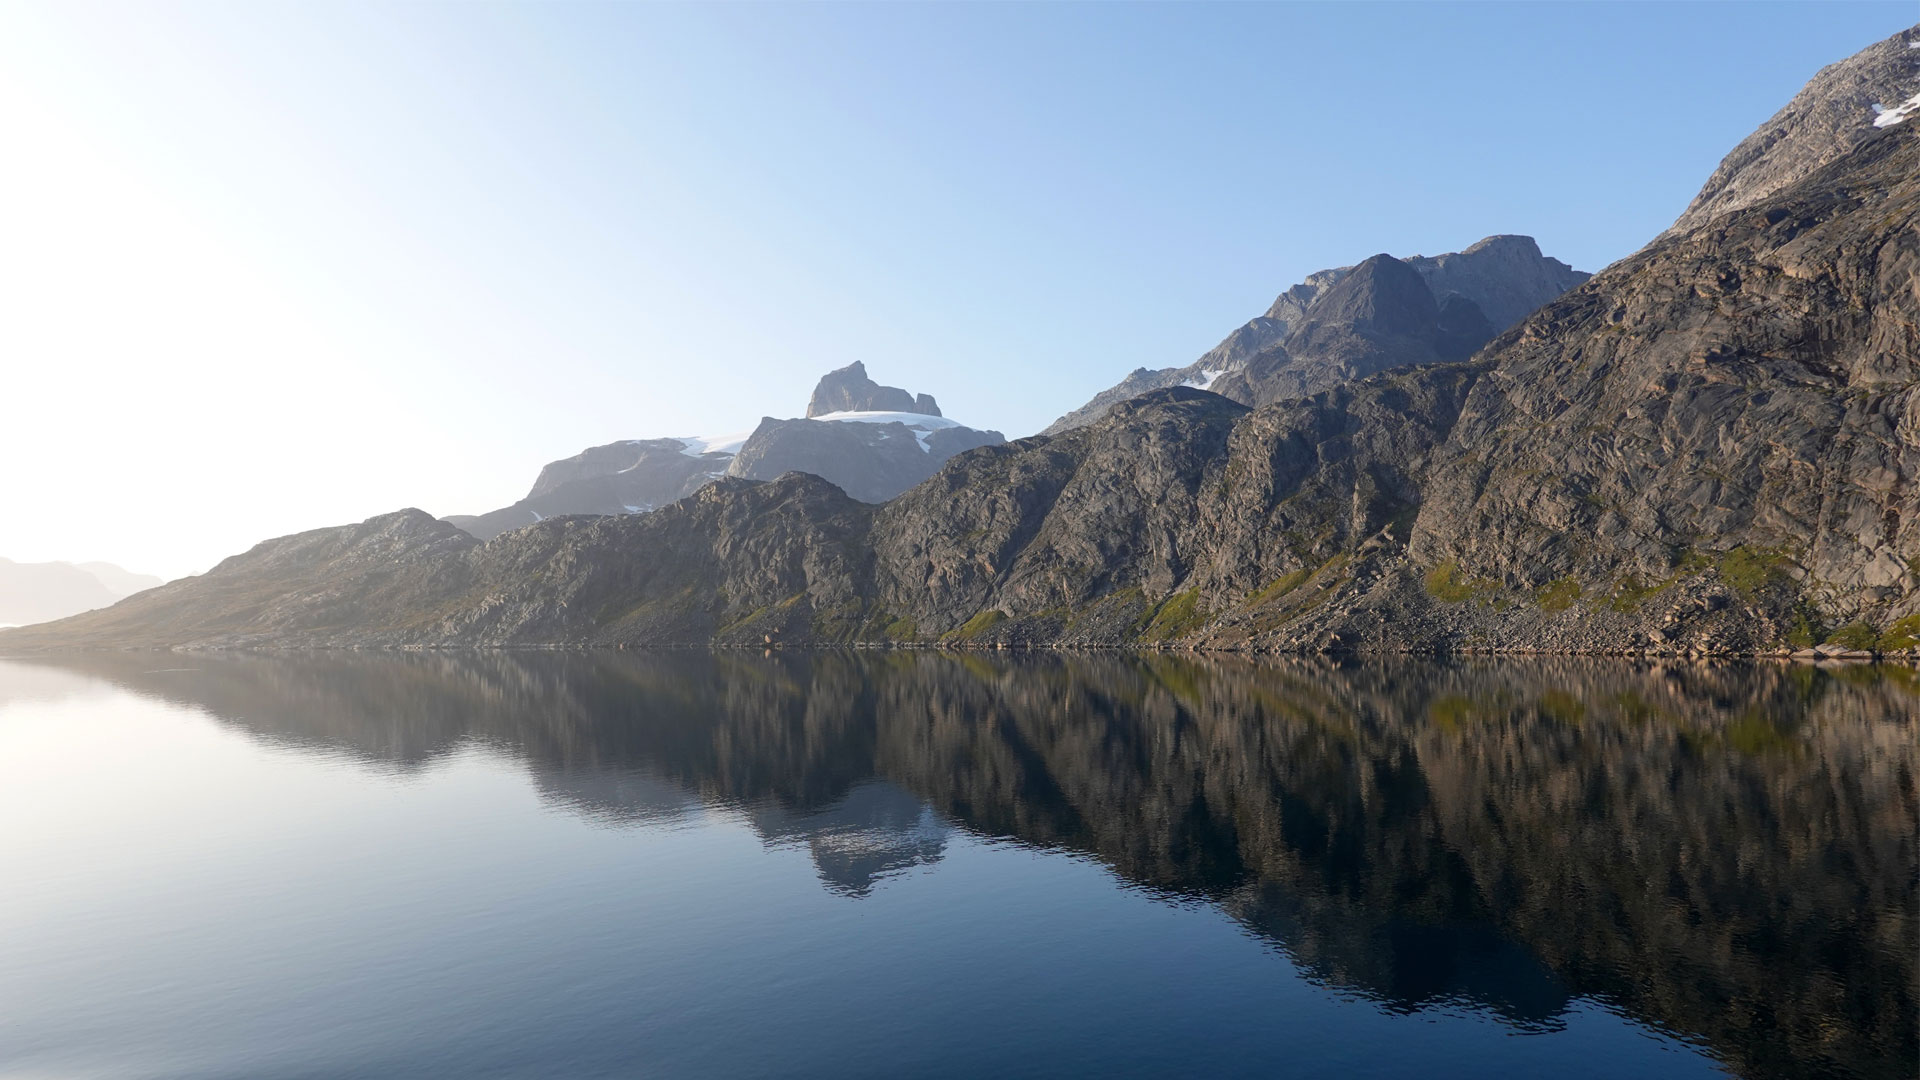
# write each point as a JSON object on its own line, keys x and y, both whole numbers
{"x": 849, "y": 390}
{"x": 1377, "y": 316}
{"x": 1825, "y": 121}
{"x": 1725, "y": 852}
{"x": 1469, "y": 297}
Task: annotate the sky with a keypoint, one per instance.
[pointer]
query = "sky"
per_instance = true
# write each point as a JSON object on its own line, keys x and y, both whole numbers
{"x": 272, "y": 267}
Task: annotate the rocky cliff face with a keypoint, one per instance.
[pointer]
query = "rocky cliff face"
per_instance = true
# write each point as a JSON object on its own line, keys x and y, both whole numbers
{"x": 1834, "y": 113}
{"x": 849, "y": 390}
{"x": 1445, "y": 308}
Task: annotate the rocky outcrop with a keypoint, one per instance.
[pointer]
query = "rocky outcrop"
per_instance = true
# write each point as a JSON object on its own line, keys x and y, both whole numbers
{"x": 848, "y": 389}
{"x": 1469, "y": 296}
{"x": 1834, "y": 113}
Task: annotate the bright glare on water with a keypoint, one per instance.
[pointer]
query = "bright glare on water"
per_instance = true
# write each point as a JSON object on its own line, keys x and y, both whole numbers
{"x": 843, "y": 864}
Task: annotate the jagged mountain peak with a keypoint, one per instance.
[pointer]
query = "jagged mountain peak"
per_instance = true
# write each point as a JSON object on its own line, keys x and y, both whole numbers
{"x": 848, "y": 389}
{"x": 1504, "y": 276}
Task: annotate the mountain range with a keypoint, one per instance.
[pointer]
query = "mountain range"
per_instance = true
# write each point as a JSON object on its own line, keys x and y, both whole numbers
{"x": 38, "y": 592}
{"x": 1709, "y": 447}
{"x": 873, "y": 441}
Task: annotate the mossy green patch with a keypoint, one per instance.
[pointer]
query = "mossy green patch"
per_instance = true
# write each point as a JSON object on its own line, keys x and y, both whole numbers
{"x": 1855, "y": 635}
{"x": 1629, "y": 592}
{"x": 1280, "y": 586}
{"x": 1558, "y": 594}
{"x": 973, "y": 629}
{"x": 1177, "y": 616}
{"x": 1750, "y": 570}
{"x": 1903, "y": 634}
{"x": 1806, "y": 630}
{"x": 1447, "y": 584}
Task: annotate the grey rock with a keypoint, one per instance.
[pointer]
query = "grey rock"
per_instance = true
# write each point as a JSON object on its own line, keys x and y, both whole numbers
{"x": 871, "y": 462}
{"x": 1380, "y": 315}
{"x": 874, "y": 462}
{"x": 628, "y": 477}
{"x": 1498, "y": 281}
{"x": 1825, "y": 121}
{"x": 848, "y": 389}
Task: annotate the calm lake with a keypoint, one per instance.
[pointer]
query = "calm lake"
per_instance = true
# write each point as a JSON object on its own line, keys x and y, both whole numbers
{"x": 913, "y": 864}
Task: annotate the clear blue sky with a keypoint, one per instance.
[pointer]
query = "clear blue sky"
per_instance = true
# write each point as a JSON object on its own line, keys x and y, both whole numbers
{"x": 274, "y": 267}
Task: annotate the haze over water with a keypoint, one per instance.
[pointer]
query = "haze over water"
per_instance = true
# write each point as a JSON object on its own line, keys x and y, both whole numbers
{"x": 833, "y": 864}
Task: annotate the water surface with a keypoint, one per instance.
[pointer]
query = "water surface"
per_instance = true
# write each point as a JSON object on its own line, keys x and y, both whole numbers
{"x": 847, "y": 864}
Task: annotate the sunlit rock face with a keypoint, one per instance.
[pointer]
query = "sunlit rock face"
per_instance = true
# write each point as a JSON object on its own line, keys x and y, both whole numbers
{"x": 1839, "y": 108}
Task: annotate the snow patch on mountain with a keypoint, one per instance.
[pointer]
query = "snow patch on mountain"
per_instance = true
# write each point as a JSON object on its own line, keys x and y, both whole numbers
{"x": 1888, "y": 117}
{"x": 702, "y": 445}
{"x": 921, "y": 424}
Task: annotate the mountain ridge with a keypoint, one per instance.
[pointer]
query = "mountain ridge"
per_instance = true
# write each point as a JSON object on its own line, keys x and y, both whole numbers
{"x": 1501, "y": 278}
{"x": 1707, "y": 449}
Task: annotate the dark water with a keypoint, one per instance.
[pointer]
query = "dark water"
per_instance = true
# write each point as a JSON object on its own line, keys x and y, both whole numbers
{"x": 586, "y": 865}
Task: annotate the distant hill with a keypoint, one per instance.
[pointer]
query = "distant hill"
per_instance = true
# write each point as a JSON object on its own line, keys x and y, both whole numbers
{"x": 39, "y": 592}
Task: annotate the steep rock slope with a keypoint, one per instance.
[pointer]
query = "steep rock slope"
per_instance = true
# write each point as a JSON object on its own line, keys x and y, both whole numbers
{"x": 1830, "y": 116}
{"x": 1502, "y": 278}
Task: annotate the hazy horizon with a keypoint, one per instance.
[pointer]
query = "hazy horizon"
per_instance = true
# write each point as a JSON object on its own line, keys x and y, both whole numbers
{"x": 272, "y": 269}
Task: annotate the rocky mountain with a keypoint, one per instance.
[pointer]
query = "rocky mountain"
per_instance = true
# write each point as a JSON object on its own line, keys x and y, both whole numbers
{"x": 1837, "y": 110}
{"x": 848, "y": 389}
{"x": 1321, "y": 332}
{"x": 37, "y": 592}
{"x": 1708, "y": 448}
{"x": 629, "y": 477}
{"x": 883, "y": 442}
{"x": 872, "y": 456}
{"x": 1380, "y": 315}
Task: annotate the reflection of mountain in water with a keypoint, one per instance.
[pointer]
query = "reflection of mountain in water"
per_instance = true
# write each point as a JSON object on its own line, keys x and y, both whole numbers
{"x": 877, "y": 831}
{"x": 1725, "y": 852}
